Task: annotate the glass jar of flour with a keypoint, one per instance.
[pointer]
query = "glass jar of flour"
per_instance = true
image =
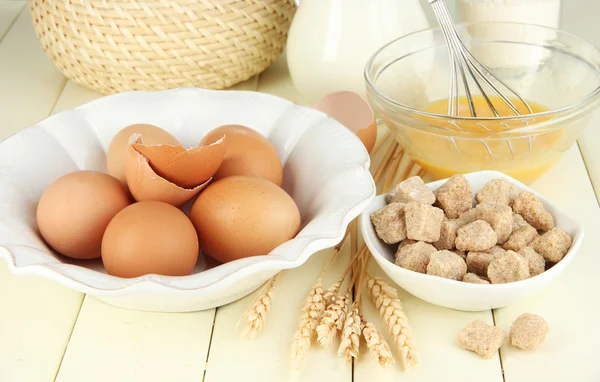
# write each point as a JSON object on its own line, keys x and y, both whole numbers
{"x": 538, "y": 12}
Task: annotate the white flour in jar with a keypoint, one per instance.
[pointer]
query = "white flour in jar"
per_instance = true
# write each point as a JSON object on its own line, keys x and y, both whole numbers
{"x": 539, "y": 12}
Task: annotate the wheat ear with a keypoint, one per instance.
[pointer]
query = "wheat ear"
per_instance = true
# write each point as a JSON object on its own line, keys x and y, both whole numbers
{"x": 312, "y": 310}
{"x": 385, "y": 299}
{"x": 256, "y": 314}
{"x": 350, "y": 342}
{"x": 377, "y": 345}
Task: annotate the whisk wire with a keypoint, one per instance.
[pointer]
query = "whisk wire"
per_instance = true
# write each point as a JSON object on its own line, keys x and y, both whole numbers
{"x": 460, "y": 56}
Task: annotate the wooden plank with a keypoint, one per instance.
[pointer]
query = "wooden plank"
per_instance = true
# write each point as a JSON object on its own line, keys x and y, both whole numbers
{"x": 267, "y": 357}
{"x": 137, "y": 345}
{"x": 30, "y": 82}
{"x": 37, "y": 314}
{"x": 584, "y": 24}
{"x": 113, "y": 344}
{"x": 569, "y": 303}
{"x": 9, "y": 10}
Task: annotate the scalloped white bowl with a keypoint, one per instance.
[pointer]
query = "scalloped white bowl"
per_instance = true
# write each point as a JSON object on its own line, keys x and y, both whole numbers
{"x": 326, "y": 171}
{"x": 460, "y": 295}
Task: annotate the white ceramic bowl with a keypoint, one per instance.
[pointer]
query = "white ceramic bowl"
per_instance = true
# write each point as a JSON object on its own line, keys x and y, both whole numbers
{"x": 326, "y": 171}
{"x": 459, "y": 295}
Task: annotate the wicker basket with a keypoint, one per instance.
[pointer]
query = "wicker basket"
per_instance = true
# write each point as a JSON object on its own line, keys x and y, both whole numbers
{"x": 113, "y": 46}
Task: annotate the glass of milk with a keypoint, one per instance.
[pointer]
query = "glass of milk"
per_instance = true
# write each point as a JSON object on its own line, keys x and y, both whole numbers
{"x": 330, "y": 41}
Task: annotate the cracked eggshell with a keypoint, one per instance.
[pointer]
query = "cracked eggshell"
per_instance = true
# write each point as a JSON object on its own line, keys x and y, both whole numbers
{"x": 186, "y": 168}
{"x": 352, "y": 111}
{"x": 145, "y": 184}
{"x": 116, "y": 156}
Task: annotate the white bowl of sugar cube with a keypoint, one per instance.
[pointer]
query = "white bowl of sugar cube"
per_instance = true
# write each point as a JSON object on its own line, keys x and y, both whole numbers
{"x": 472, "y": 242}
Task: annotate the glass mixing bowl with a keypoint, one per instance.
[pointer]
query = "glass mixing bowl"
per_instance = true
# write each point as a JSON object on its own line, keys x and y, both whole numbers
{"x": 547, "y": 67}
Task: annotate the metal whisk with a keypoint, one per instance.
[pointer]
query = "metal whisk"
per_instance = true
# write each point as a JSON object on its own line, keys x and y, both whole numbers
{"x": 463, "y": 62}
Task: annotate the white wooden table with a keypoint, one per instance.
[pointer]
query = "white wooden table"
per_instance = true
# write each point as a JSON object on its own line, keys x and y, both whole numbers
{"x": 49, "y": 332}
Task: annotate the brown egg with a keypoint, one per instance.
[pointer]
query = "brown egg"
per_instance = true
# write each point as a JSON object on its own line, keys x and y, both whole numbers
{"x": 150, "y": 238}
{"x": 247, "y": 153}
{"x": 117, "y": 151}
{"x": 240, "y": 216}
{"x": 186, "y": 168}
{"x": 352, "y": 111}
{"x": 74, "y": 211}
{"x": 144, "y": 184}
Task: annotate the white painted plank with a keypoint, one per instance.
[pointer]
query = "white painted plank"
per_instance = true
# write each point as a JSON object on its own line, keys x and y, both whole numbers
{"x": 113, "y": 344}
{"x": 580, "y": 17}
{"x": 30, "y": 82}
{"x": 9, "y": 10}
{"x": 569, "y": 305}
{"x": 267, "y": 357}
{"x": 37, "y": 315}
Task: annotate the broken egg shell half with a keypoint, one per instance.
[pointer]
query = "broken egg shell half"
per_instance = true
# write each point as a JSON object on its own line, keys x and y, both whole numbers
{"x": 186, "y": 168}
{"x": 145, "y": 184}
{"x": 352, "y": 111}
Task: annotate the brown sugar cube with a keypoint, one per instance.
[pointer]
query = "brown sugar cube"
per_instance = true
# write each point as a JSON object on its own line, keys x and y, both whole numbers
{"x": 518, "y": 222}
{"x": 406, "y": 242}
{"x": 447, "y": 234}
{"x": 447, "y": 264}
{"x": 412, "y": 189}
{"x": 520, "y": 238}
{"x": 481, "y": 338}
{"x": 423, "y": 222}
{"x": 476, "y": 236}
{"x": 496, "y": 251}
{"x": 455, "y": 196}
{"x": 497, "y": 191}
{"x": 389, "y": 223}
{"x": 474, "y": 279}
{"x": 415, "y": 257}
{"x": 499, "y": 216}
{"x": 462, "y": 254}
{"x": 531, "y": 208}
{"x": 553, "y": 245}
{"x": 508, "y": 268}
{"x": 537, "y": 263}
{"x": 468, "y": 217}
{"x": 478, "y": 262}
{"x": 528, "y": 331}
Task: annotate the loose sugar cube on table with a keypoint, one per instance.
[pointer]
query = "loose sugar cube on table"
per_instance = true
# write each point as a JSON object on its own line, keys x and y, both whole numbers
{"x": 447, "y": 234}
{"x": 423, "y": 222}
{"x": 532, "y": 210}
{"x": 455, "y": 196}
{"x": 478, "y": 262}
{"x": 499, "y": 216}
{"x": 476, "y": 236}
{"x": 472, "y": 278}
{"x": 412, "y": 189}
{"x": 553, "y": 245}
{"x": 415, "y": 257}
{"x": 537, "y": 263}
{"x": 447, "y": 264}
{"x": 528, "y": 331}
{"x": 521, "y": 238}
{"x": 497, "y": 191}
{"x": 389, "y": 223}
{"x": 481, "y": 338}
{"x": 508, "y": 268}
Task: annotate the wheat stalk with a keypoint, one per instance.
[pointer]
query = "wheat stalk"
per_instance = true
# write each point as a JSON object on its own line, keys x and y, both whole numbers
{"x": 385, "y": 299}
{"x": 333, "y": 319}
{"x": 377, "y": 345}
{"x": 350, "y": 342}
{"x": 256, "y": 314}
